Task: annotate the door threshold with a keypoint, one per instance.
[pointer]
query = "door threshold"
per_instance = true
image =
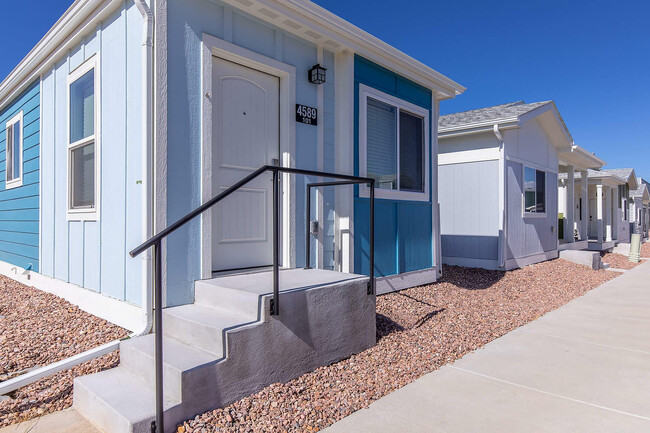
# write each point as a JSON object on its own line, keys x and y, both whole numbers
{"x": 242, "y": 271}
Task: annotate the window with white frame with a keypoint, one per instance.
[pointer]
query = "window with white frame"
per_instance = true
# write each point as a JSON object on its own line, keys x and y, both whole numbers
{"x": 83, "y": 141}
{"x": 393, "y": 145}
{"x": 534, "y": 191}
{"x": 14, "y": 152}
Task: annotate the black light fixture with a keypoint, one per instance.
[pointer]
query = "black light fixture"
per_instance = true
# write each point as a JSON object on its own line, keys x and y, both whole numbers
{"x": 317, "y": 74}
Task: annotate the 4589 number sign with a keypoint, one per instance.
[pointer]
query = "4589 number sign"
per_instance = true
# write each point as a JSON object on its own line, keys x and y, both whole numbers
{"x": 306, "y": 115}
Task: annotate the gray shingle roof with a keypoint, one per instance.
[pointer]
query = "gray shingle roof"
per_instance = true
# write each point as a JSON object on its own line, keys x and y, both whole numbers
{"x": 488, "y": 114}
{"x": 624, "y": 173}
{"x": 591, "y": 174}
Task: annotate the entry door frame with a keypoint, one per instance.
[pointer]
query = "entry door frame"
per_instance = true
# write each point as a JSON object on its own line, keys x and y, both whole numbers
{"x": 213, "y": 46}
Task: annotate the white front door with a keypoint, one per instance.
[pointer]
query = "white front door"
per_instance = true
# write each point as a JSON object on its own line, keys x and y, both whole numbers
{"x": 246, "y": 136}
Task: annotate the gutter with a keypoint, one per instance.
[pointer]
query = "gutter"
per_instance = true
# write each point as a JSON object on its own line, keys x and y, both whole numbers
{"x": 147, "y": 150}
{"x": 147, "y": 218}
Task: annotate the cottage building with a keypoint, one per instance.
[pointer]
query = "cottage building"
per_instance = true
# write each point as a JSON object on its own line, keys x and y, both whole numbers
{"x": 129, "y": 114}
{"x": 498, "y": 184}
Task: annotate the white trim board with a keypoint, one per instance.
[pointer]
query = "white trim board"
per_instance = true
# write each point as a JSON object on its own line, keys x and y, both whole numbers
{"x": 406, "y": 280}
{"x": 120, "y": 313}
{"x": 213, "y": 46}
{"x": 466, "y": 156}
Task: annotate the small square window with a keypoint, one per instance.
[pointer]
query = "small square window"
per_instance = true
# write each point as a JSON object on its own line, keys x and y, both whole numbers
{"x": 393, "y": 146}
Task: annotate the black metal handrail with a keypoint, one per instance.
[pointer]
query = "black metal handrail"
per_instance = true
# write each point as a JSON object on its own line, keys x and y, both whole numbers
{"x": 155, "y": 242}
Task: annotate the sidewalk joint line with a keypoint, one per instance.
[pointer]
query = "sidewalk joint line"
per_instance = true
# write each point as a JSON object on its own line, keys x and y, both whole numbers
{"x": 552, "y": 394}
{"x": 586, "y": 342}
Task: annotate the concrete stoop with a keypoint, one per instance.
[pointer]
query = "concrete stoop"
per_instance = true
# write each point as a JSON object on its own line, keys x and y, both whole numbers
{"x": 587, "y": 258}
{"x": 227, "y": 346}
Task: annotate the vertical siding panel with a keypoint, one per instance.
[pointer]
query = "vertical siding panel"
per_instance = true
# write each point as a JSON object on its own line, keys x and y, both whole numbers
{"x": 113, "y": 86}
{"x": 47, "y": 174}
{"x": 133, "y": 212}
{"x": 76, "y": 57}
{"x": 92, "y": 268}
{"x": 76, "y": 242}
{"x": 61, "y": 252}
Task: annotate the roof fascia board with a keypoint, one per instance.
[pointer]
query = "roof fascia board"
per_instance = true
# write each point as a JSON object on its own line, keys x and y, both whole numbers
{"x": 506, "y": 123}
{"x": 543, "y": 109}
{"x": 66, "y": 32}
{"x": 589, "y": 156}
{"x": 351, "y": 37}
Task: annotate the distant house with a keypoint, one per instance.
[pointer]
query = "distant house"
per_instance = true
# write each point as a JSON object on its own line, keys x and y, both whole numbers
{"x": 603, "y": 220}
{"x": 640, "y": 208}
{"x": 498, "y": 184}
{"x": 624, "y": 200}
{"x": 573, "y": 197}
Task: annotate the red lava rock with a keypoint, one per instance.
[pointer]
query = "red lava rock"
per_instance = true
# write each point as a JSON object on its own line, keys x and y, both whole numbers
{"x": 645, "y": 250}
{"x": 37, "y": 329}
{"x": 618, "y": 261}
{"x": 418, "y": 331}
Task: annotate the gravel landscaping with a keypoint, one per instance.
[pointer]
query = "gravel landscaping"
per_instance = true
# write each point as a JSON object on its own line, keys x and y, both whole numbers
{"x": 618, "y": 261}
{"x": 418, "y": 331}
{"x": 645, "y": 250}
{"x": 37, "y": 329}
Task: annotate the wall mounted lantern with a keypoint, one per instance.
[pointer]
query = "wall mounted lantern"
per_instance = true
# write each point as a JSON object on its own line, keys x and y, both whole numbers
{"x": 317, "y": 74}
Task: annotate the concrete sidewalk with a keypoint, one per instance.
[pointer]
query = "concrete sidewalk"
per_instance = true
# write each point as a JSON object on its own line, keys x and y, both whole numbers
{"x": 584, "y": 367}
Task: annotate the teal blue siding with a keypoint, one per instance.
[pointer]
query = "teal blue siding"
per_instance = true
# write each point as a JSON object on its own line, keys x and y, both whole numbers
{"x": 403, "y": 231}
{"x": 19, "y": 207}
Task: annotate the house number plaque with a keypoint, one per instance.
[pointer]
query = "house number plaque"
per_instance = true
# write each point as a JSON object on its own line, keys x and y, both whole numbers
{"x": 306, "y": 115}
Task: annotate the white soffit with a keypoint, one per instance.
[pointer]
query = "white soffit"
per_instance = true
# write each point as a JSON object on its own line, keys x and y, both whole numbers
{"x": 321, "y": 27}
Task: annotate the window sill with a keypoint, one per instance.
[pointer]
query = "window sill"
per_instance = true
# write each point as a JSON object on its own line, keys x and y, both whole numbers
{"x": 82, "y": 215}
{"x": 391, "y": 194}
{"x": 10, "y": 184}
{"x": 535, "y": 215}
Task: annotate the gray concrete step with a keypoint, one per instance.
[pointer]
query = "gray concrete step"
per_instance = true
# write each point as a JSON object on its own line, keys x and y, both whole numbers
{"x": 213, "y": 294}
{"x": 137, "y": 356}
{"x": 117, "y": 401}
{"x": 201, "y": 327}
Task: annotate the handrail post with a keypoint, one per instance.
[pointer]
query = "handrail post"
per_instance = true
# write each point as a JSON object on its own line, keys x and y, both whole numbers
{"x": 159, "y": 424}
{"x": 307, "y": 223}
{"x": 275, "y": 303}
{"x": 371, "y": 282}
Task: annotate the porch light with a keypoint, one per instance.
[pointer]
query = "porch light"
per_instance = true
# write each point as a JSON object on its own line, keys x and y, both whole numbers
{"x": 317, "y": 74}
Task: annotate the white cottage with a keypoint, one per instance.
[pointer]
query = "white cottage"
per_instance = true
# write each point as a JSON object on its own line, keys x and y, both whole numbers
{"x": 573, "y": 197}
{"x": 640, "y": 208}
{"x": 498, "y": 184}
{"x": 130, "y": 114}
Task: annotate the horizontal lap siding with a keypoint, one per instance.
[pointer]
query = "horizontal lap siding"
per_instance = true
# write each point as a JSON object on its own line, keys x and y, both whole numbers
{"x": 19, "y": 207}
{"x": 403, "y": 229}
{"x": 94, "y": 254}
{"x": 469, "y": 209}
{"x": 530, "y": 236}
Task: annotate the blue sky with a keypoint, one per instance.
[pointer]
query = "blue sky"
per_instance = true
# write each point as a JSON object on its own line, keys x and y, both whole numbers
{"x": 591, "y": 57}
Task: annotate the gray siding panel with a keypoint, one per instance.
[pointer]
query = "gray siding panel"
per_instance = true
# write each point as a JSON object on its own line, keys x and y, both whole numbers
{"x": 469, "y": 210}
{"x": 529, "y": 236}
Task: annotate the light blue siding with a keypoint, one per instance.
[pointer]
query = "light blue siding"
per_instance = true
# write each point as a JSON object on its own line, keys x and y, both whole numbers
{"x": 469, "y": 209}
{"x": 403, "y": 236}
{"x": 94, "y": 254}
{"x": 19, "y": 207}
{"x": 187, "y": 22}
{"x": 529, "y": 236}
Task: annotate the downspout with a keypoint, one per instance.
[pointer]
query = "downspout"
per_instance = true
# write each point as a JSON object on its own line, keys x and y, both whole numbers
{"x": 503, "y": 197}
{"x": 147, "y": 150}
{"x": 147, "y": 217}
